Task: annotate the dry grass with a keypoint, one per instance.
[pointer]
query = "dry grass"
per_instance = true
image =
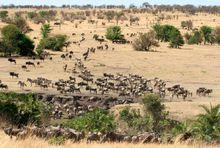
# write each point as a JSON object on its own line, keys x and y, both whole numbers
{"x": 6, "y": 142}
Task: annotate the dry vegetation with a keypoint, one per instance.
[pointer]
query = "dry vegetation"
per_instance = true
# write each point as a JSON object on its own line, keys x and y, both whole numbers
{"x": 32, "y": 142}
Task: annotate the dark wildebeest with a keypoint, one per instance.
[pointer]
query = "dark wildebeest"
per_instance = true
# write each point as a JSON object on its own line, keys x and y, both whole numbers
{"x": 13, "y": 74}
{"x": 12, "y": 60}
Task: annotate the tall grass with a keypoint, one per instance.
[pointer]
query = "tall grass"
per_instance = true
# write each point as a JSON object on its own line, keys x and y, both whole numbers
{"x": 32, "y": 142}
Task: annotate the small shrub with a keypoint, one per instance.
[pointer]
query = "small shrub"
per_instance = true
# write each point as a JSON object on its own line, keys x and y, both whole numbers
{"x": 217, "y": 35}
{"x": 45, "y": 30}
{"x": 32, "y": 15}
{"x": 187, "y": 24}
{"x": 114, "y": 33}
{"x": 176, "y": 39}
{"x": 196, "y": 38}
{"x": 155, "y": 108}
{"x": 21, "y": 23}
{"x": 3, "y": 14}
{"x": 145, "y": 42}
{"x": 135, "y": 120}
{"x": 55, "y": 43}
{"x": 206, "y": 32}
{"x": 98, "y": 120}
{"x": 207, "y": 126}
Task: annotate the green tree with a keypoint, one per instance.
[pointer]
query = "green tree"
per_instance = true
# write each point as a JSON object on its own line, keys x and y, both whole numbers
{"x": 145, "y": 41}
{"x": 114, "y": 32}
{"x": 206, "y": 32}
{"x": 176, "y": 39}
{"x": 98, "y": 120}
{"x": 16, "y": 42}
{"x": 45, "y": 30}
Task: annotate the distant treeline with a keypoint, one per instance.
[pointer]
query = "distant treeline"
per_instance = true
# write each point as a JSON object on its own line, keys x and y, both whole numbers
{"x": 183, "y": 8}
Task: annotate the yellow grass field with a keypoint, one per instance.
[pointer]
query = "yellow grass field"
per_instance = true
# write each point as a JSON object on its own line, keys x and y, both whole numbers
{"x": 6, "y": 142}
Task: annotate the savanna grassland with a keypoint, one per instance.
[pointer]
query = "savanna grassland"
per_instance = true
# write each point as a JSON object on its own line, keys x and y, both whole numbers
{"x": 192, "y": 65}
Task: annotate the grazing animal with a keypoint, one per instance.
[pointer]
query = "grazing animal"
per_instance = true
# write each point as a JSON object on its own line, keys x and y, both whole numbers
{"x": 12, "y": 60}
{"x": 21, "y": 84}
{"x": 29, "y": 63}
{"x": 13, "y": 74}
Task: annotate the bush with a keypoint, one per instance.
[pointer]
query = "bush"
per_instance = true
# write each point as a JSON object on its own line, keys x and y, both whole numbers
{"x": 3, "y": 14}
{"x": 109, "y": 15}
{"x": 21, "y": 23}
{"x": 16, "y": 42}
{"x": 176, "y": 39}
{"x": 207, "y": 126}
{"x": 206, "y": 32}
{"x": 155, "y": 108}
{"x": 196, "y": 38}
{"x": 32, "y": 15}
{"x": 98, "y": 120}
{"x": 145, "y": 42}
{"x": 22, "y": 109}
{"x": 55, "y": 43}
{"x": 217, "y": 35}
{"x": 135, "y": 121}
{"x": 114, "y": 33}
{"x": 187, "y": 36}
{"x": 187, "y": 24}
{"x": 164, "y": 33}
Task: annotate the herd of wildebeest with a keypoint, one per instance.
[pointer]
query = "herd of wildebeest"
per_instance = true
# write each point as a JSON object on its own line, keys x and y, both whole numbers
{"x": 83, "y": 91}
{"x": 75, "y": 136}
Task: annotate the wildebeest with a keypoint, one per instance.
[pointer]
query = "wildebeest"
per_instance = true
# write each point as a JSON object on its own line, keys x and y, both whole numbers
{"x": 13, "y": 74}
{"x": 29, "y": 63}
{"x": 12, "y": 60}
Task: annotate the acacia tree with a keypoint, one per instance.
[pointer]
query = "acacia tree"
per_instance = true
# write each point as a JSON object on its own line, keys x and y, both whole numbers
{"x": 145, "y": 42}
